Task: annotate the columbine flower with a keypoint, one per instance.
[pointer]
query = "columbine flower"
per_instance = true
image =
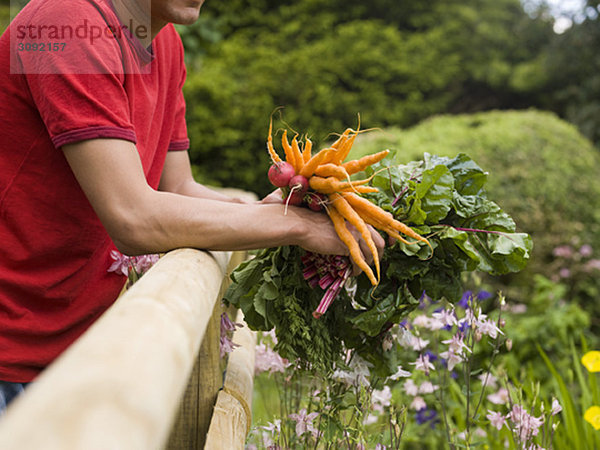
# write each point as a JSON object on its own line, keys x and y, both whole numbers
{"x": 456, "y": 344}
{"x": 422, "y": 363}
{"x": 592, "y": 415}
{"x": 489, "y": 380}
{"x": 452, "y": 358}
{"x": 446, "y": 317}
{"x": 227, "y": 328}
{"x": 418, "y": 403}
{"x": 591, "y": 361}
{"x": 427, "y": 387}
{"x": 421, "y": 321}
{"x": 556, "y": 408}
{"x": 489, "y": 327}
{"x": 426, "y": 415}
{"x": 500, "y": 397}
{"x": 496, "y": 419}
{"x": 121, "y": 263}
{"x": 418, "y": 344}
{"x": 359, "y": 374}
{"x": 143, "y": 263}
{"x": 400, "y": 373}
{"x": 381, "y": 398}
{"x": 268, "y": 359}
{"x": 410, "y": 387}
{"x": 304, "y": 422}
{"x": 526, "y": 424}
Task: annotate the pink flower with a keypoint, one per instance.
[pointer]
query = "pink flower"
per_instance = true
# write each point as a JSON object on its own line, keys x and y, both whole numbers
{"x": 457, "y": 344}
{"x": 121, "y": 263}
{"x": 526, "y": 424}
{"x": 268, "y": 359}
{"x": 227, "y": 328}
{"x": 592, "y": 264}
{"x": 500, "y": 397}
{"x": 586, "y": 250}
{"x": 304, "y": 422}
{"x": 496, "y": 419}
{"x": 489, "y": 327}
{"x": 563, "y": 251}
{"x": 143, "y": 263}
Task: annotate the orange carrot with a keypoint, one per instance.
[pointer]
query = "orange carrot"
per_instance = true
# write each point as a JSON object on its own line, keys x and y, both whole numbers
{"x": 332, "y": 170}
{"x": 352, "y": 217}
{"x": 343, "y": 137}
{"x": 330, "y": 185}
{"x": 298, "y": 158}
{"x": 306, "y": 154}
{"x": 289, "y": 154}
{"x": 345, "y": 148}
{"x": 346, "y": 237}
{"x": 357, "y": 165}
{"x": 360, "y": 189}
{"x": 367, "y": 209}
{"x": 309, "y": 168}
{"x": 274, "y": 156}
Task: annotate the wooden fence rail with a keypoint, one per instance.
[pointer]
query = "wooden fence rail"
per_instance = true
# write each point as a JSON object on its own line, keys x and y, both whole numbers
{"x": 120, "y": 386}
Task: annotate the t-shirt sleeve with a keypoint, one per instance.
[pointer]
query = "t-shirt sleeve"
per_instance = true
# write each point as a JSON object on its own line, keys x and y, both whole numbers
{"x": 79, "y": 90}
{"x": 179, "y": 138}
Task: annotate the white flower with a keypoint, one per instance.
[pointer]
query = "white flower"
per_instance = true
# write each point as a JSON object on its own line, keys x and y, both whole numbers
{"x": 418, "y": 403}
{"x": 456, "y": 344}
{"x": 422, "y": 363}
{"x": 452, "y": 359}
{"x": 381, "y": 398}
{"x": 556, "y": 408}
{"x": 418, "y": 344}
{"x": 427, "y": 387}
{"x": 400, "y": 373}
{"x": 489, "y": 379}
{"x": 446, "y": 316}
{"x": 410, "y": 387}
{"x": 421, "y": 321}
{"x": 489, "y": 327}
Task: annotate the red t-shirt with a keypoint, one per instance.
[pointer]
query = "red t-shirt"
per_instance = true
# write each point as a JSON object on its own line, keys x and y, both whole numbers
{"x": 54, "y": 252}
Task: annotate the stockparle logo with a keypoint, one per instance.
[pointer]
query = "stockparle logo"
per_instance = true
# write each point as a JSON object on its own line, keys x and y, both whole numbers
{"x": 45, "y": 41}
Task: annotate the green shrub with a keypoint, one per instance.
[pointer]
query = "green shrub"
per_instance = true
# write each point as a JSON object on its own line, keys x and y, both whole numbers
{"x": 542, "y": 171}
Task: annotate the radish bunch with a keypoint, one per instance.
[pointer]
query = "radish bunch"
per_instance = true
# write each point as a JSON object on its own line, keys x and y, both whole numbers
{"x": 295, "y": 187}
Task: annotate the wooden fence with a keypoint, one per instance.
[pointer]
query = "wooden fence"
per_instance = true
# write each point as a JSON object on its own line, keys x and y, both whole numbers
{"x": 147, "y": 374}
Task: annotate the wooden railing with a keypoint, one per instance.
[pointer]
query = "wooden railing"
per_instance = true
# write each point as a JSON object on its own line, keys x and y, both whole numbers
{"x": 147, "y": 374}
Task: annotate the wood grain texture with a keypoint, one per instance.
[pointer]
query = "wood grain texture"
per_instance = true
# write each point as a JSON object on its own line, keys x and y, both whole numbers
{"x": 119, "y": 385}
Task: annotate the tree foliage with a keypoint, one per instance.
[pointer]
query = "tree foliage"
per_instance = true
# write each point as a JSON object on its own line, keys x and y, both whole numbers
{"x": 326, "y": 62}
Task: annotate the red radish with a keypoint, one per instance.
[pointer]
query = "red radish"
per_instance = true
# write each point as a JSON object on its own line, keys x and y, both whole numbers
{"x": 299, "y": 184}
{"x": 316, "y": 200}
{"x": 281, "y": 173}
{"x": 294, "y": 198}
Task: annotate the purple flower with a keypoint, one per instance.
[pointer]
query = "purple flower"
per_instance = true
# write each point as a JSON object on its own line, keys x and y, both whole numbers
{"x": 268, "y": 359}
{"x": 426, "y": 415}
{"x": 586, "y": 250}
{"x": 464, "y": 300}
{"x": 563, "y": 251}
{"x": 227, "y": 328}
{"x": 483, "y": 295}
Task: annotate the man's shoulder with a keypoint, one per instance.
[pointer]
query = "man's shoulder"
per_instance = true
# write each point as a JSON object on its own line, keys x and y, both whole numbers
{"x": 59, "y": 12}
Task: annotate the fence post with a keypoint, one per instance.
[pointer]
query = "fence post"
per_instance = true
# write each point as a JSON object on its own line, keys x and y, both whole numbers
{"x": 196, "y": 408}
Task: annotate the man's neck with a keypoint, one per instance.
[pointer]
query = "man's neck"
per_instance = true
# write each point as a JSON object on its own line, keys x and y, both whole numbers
{"x": 135, "y": 15}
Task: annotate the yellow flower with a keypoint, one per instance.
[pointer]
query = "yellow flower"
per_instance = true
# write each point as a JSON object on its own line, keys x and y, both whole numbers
{"x": 591, "y": 360}
{"x": 592, "y": 415}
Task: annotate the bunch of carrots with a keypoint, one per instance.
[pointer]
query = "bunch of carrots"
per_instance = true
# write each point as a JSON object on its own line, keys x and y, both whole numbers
{"x": 322, "y": 182}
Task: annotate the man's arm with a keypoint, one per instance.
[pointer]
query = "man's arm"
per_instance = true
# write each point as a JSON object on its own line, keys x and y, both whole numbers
{"x": 177, "y": 178}
{"x": 141, "y": 220}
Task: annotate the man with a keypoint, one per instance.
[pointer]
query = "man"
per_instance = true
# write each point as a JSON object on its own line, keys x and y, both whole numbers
{"x": 92, "y": 159}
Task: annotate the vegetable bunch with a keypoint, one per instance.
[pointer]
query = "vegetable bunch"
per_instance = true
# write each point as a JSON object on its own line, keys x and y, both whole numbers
{"x": 442, "y": 198}
{"x": 322, "y": 181}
